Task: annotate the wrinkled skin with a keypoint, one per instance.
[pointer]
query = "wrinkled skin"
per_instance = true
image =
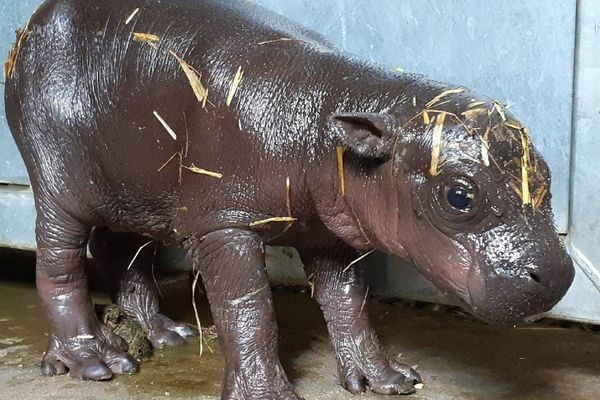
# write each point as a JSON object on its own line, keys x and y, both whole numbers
{"x": 80, "y": 100}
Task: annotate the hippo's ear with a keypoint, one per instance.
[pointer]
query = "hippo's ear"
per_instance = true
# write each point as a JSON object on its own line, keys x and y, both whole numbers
{"x": 367, "y": 135}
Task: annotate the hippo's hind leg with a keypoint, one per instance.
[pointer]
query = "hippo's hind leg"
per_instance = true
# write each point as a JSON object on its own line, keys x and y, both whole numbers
{"x": 232, "y": 265}
{"x": 78, "y": 342}
{"x": 125, "y": 261}
{"x": 362, "y": 361}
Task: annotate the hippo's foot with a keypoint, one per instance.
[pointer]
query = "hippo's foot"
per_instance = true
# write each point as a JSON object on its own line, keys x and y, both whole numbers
{"x": 395, "y": 378}
{"x": 269, "y": 386}
{"x": 164, "y": 332}
{"x": 90, "y": 357}
{"x": 364, "y": 365}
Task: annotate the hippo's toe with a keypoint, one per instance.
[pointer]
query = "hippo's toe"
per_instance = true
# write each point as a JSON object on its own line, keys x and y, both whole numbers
{"x": 89, "y": 357}
{"x": 391, "y": 379}
{"x": 165, "y": 332}
{"x": 52, "y": 366}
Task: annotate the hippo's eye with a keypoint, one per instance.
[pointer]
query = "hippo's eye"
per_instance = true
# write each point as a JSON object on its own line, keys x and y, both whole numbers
{"x": 456, "y": 201}
{"x": 459, "y": 197}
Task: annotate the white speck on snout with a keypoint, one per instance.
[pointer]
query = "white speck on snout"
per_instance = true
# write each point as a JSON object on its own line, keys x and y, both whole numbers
{"x": 85, "y": 337}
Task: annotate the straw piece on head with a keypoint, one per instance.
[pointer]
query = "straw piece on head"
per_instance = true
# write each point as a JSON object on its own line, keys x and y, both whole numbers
{"x": 444, "y": 94}
{"x": 13, "y": 55}
{"x": 436, "y": 143}
{"x": 340, "y": 165}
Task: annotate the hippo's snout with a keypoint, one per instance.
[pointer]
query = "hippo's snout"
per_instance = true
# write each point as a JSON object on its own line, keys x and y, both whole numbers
{"x": 501, "y": 296}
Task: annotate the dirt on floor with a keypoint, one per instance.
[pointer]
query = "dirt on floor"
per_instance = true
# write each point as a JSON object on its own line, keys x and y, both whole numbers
{"x": 459, "y": 358}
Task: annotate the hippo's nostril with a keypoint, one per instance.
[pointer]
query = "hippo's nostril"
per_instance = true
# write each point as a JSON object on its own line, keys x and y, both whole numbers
{"x": 536, "y": 277}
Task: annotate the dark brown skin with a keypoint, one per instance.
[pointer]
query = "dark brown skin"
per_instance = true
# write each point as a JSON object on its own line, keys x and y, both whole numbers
{"x": 80, "y": 98}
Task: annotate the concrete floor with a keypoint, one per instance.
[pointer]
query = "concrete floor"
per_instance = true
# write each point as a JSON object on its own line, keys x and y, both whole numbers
{"x": 458, "y": 358}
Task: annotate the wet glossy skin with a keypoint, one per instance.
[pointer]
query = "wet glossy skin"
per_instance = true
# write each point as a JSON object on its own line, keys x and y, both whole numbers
{"x": 82, "y": 101}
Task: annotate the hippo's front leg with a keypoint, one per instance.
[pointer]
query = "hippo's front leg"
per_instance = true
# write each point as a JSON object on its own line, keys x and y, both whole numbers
{"x": 232, "y": 265}
{"x": 79, "y": 343}
{"x": 362, "y": 361}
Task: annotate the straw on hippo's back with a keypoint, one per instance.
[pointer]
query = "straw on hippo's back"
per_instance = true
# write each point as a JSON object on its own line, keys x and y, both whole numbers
{"x": 246, "y": 130}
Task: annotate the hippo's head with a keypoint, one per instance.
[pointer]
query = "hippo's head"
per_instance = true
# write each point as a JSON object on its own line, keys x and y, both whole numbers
{"x": 467, "y": 200}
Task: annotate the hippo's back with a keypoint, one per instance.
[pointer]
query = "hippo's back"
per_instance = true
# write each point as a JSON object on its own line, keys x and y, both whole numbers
{"x": 96, "y": 113}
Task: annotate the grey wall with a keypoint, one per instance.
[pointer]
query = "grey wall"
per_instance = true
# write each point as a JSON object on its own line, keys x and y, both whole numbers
{"x": 14, "y": 14}
{"x": 519, "y": 52}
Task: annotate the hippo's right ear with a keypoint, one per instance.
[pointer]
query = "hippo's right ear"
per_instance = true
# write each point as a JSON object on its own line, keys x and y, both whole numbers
{"x": 367, "y": 135}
